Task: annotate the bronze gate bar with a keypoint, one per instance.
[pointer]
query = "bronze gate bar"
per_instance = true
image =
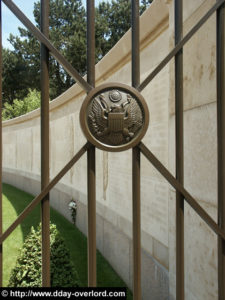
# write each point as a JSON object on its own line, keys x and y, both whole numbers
{"x": 1, "y": 214}
{"x": 221, "y": 145}
{"x": 136, "y": 211}
{"x": 45, "y": 203}
{"x": 179, "y": 149}
{"x": 136, "y": 197}
{"x": 91, "y": 192}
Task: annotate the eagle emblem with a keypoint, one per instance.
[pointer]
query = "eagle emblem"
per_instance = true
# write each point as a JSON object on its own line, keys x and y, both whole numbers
{"x": 115, "y": 117}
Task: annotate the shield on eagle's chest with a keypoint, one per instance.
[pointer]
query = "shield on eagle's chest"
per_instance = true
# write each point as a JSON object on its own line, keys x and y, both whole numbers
{"x": 116, "y": 122}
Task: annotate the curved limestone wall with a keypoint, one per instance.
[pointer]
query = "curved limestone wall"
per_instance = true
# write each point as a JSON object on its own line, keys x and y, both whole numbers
{"x": 21, "y": 157}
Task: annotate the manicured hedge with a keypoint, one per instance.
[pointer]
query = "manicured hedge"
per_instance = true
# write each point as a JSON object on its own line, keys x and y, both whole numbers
{"x": 27, "y": 271}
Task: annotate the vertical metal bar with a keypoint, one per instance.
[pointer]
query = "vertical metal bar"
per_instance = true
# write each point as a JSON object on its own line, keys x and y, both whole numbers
{"x": 135, "y": 44}
{"x": 179, "y": 151}
{"x": 136, "y": 224}
{"x": 91, "y": 218}
{"x": 136, "y": 199}
{"x": 91, "y": 150}
{"x": 1, "y": 221}
{"x": 221, "y": 145}
{"x": 45, "y": 205}
{"x": 91, "y": 42}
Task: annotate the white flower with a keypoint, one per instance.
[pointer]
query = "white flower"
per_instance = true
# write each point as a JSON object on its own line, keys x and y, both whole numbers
{"x": 72, "y": 205}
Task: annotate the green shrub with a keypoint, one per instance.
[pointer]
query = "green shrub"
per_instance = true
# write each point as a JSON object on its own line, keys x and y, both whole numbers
{"x": 20, "y": 107}
{"x": 27, "y": 271}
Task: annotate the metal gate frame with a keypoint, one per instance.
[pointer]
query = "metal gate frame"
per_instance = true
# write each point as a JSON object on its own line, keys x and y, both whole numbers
{"x": 177, "y": 182}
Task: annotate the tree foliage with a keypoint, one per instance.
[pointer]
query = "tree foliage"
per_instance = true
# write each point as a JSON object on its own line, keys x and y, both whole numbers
{"x": 68, "y": 35}
{"x": 21, "y": 66}
{"x": 18, "y": 107}
{"x": 113, "y": 20}
{"x": 17, "y": 76}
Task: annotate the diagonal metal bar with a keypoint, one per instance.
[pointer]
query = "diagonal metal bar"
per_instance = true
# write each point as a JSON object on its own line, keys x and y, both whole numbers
{"x": 42, "y": 38}
{"x": 45, "y": 191}
{"x": 179, "y": 45}
{"x": 178, "y": 186}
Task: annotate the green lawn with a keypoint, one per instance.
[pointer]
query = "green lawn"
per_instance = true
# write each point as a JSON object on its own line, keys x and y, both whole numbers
{"x": 14, "y": 201}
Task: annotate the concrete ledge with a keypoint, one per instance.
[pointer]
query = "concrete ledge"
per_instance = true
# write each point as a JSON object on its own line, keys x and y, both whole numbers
{"x": 113, "y": 243}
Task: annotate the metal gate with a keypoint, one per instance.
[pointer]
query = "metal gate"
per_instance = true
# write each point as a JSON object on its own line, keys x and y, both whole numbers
{"x": 115, "y": 118}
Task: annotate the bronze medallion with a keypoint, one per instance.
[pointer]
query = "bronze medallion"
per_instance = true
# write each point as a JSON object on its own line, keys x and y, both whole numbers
{"x": 114, "y": 117}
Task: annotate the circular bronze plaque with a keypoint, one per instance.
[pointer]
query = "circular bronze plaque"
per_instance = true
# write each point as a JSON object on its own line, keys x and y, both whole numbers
{"x": 114, "y": 117}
